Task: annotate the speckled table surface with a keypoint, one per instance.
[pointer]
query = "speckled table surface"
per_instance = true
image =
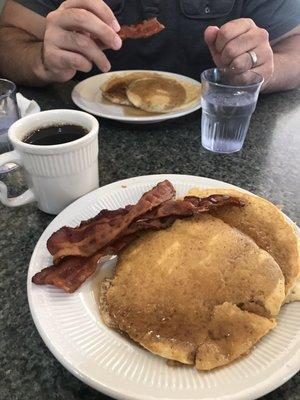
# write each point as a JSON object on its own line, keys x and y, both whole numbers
{"x": 268, "y": 165}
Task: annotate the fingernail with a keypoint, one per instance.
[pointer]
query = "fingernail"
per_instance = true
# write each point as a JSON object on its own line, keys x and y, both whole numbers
{"x": 106, "y": 67}
{"x": 115, "y": 25}
{"x": 117, "y": 43}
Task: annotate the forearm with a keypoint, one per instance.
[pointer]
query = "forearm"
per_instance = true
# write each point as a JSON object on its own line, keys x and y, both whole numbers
{"x": 286, "y": 65}
{"x": 21, "y": 57}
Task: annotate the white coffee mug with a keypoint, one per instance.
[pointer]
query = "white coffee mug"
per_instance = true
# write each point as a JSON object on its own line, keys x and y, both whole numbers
{"x": 56, "y": 175}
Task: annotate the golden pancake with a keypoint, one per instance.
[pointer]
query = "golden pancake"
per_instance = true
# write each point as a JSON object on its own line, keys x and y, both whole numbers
{"x": 294, "y": 293}
{"x": 266, "y": 225}
{"x": 193, "y": 95}
{"x": 232, "y": 334}
{"x": 161, "y": 94}
{"x": 200, "y": 292}
{"x": 114, "y": 89}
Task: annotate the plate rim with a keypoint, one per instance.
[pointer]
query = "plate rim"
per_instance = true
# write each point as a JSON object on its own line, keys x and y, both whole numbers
{"x": 278, "y": 378}
{"x": 137, "y": 119}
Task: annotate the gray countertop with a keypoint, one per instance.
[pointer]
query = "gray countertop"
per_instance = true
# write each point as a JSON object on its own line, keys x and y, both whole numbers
{"x": 269, "y": 165}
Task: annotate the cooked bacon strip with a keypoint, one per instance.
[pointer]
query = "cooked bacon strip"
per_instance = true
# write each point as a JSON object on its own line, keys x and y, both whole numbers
{"x": 72, "y": 271}
{"x": 149, "y": 224}
{"x": 80, "y": 232}
{"x": 93, "y": 238}
{"x": 190, "y": 206}
{"x": 104, "y": 216}
{"x": 144, "y": 29}
{"x": 69, "y": 274}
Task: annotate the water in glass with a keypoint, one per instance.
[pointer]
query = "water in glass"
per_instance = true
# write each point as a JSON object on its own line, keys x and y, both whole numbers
{"x": 225, "y": 120}
{"x": 228, "y": 102}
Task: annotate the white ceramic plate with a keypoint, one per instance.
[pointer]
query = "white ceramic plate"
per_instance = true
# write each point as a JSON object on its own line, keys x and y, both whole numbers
{"x": 87, "y": 96}
{"x": 72, "y": 329}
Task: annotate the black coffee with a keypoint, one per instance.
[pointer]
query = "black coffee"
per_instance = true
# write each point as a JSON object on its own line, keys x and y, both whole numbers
{"x": 55, "y": 134}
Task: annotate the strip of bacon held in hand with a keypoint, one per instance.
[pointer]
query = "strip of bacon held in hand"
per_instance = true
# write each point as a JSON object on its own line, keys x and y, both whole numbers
{"x": 70, "y": 272}
{"x": 144, "y": 29}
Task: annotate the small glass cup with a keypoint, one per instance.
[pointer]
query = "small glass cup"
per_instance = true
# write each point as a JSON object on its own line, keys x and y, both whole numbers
{"x": 9, "y": 113}
{"x": 228, "y": 101}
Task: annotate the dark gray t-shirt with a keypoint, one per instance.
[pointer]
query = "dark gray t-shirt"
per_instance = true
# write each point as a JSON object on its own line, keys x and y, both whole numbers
{"x": 180, "y": 47}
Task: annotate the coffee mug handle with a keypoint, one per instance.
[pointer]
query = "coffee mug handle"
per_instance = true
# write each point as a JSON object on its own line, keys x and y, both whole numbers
{"x": 24, "y": 198}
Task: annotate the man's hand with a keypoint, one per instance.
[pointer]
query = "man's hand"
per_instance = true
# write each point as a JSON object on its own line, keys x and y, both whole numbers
{"x": 230, "y": 44}
{"x": 75, "y": 36}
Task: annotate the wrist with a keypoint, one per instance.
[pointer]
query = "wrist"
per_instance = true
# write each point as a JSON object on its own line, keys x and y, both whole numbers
{"x": 267, "y": 85}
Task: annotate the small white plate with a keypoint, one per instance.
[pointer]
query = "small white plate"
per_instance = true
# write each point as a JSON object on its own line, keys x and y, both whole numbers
{"x": 71, "y": 327}
{"x": 87, "y": 96}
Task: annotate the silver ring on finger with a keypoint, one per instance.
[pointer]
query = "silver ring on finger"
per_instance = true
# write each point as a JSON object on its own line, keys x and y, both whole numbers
{"x": 253, "y": 57}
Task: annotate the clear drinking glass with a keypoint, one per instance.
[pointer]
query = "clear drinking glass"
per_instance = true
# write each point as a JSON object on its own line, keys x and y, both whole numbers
{"x": 228, "y": 101}
{"x": 9, "y": 113}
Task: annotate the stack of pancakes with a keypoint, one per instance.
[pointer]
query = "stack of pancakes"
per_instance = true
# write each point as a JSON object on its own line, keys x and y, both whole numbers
{"x": 205, "y": 290}
{"x": 151, "y": 92}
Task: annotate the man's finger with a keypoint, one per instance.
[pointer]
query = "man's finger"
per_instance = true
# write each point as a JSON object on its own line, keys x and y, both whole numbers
{"x": 210, "y": 36}
{"x": 67, "y": 60}
{"x": 83, "y": 44}
{"x": 242, "y": 63}
{"x": 99, "y": 8}
{"x": 231, "y": 30}
{"x": 243, "y": 43}
{"x": 75, "y": 19}
{"x": 264, "y": 60}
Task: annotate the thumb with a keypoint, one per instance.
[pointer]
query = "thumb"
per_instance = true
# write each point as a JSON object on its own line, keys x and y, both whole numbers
{"x": 210, "y": 36}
